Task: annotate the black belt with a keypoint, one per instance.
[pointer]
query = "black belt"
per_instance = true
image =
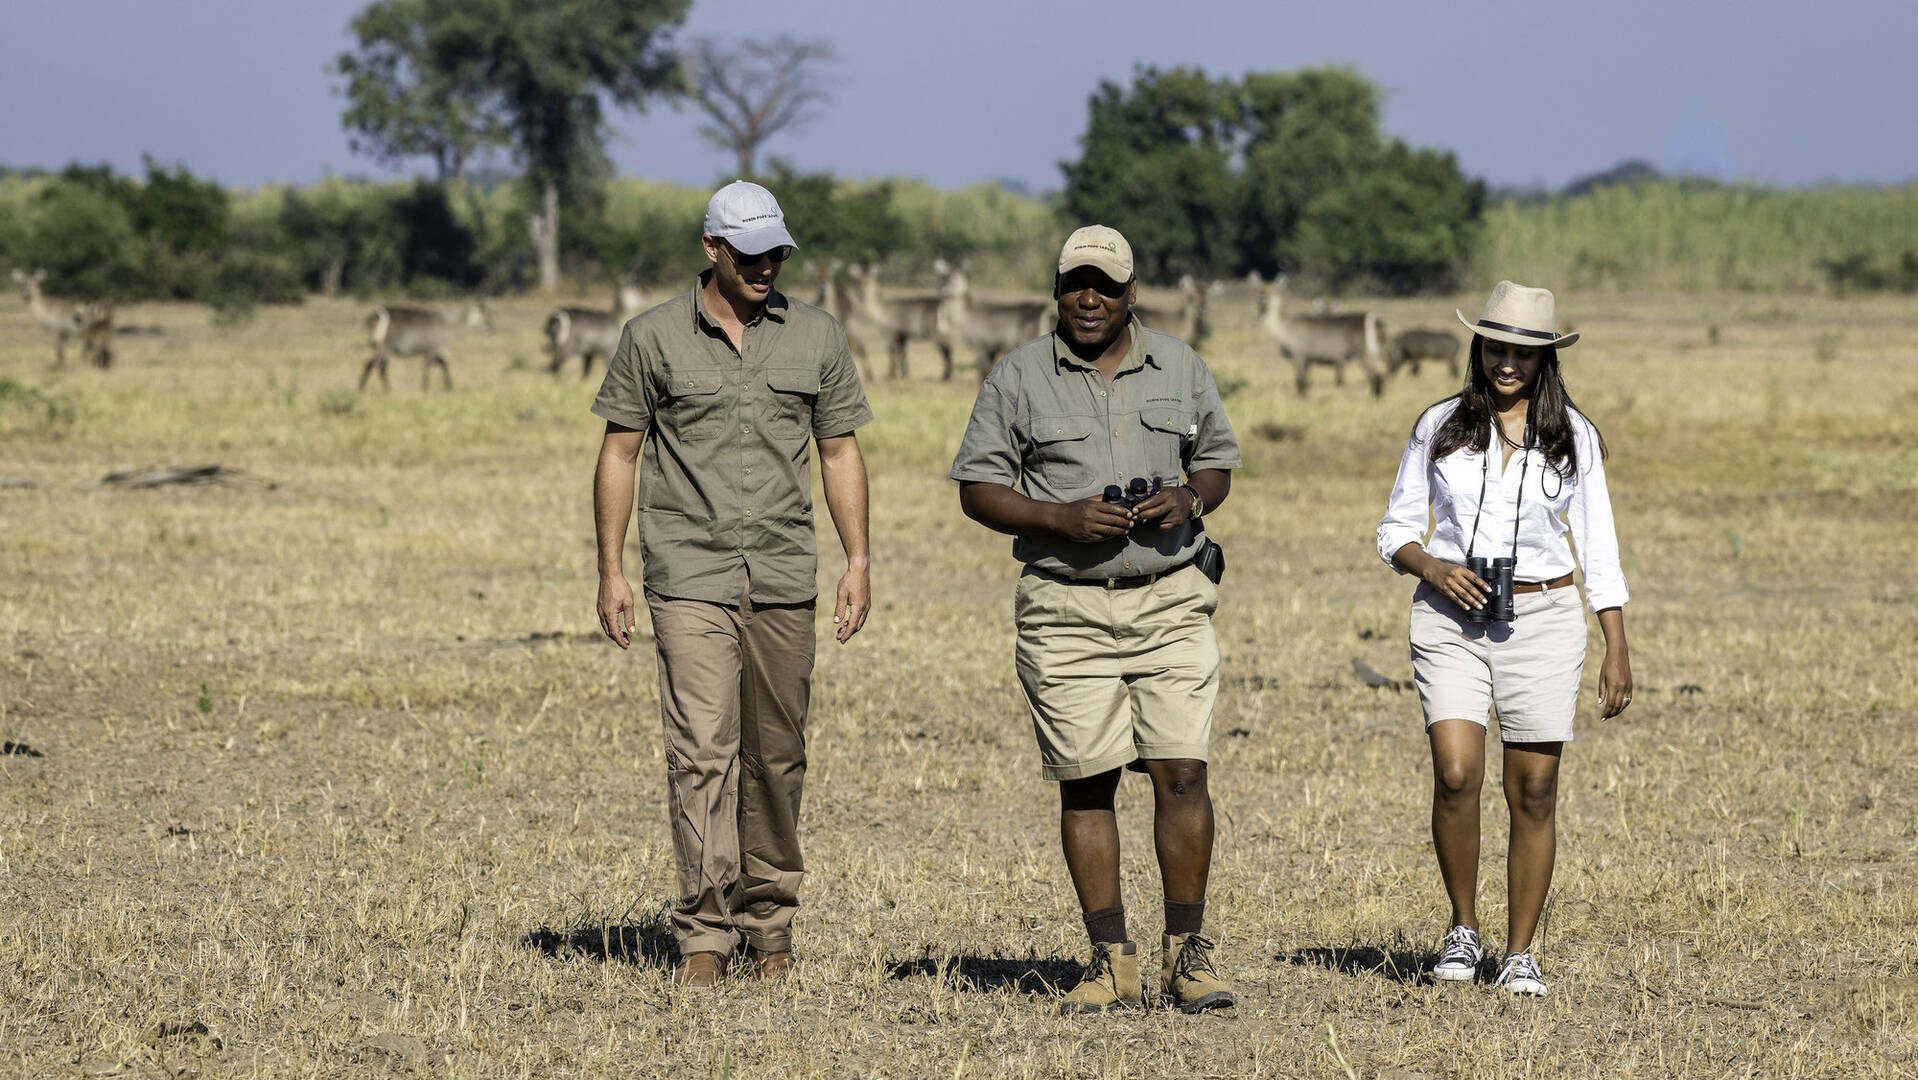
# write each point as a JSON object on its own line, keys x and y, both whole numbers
{"x": 1108, "y": 582}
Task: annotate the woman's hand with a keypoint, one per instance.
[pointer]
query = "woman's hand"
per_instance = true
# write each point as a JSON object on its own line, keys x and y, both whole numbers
{"x": 1615, "y": 675}
{"x": 1463, "y": 587}
{"x": 1614, "y": 683}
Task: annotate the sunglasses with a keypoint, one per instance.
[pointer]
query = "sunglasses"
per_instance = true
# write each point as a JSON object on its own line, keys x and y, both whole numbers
{"x": 778, "y": 255}
{"x": 1078, "y": 279}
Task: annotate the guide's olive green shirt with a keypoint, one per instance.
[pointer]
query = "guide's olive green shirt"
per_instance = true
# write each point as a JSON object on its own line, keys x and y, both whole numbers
{"x": 1049, "y": 421}
{"x": 726, "y": 476}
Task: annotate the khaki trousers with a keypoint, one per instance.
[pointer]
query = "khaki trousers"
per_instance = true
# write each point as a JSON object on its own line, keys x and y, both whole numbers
{"x": 733, "y": 689}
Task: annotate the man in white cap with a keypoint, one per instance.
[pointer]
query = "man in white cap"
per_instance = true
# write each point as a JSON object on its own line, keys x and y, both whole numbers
{"x": 1115, "y": 650}
{"x": 728, "y": 387}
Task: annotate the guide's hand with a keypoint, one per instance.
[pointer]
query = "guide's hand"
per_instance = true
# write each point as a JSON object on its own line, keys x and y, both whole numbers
{"x": 1614, "y": 684}
{"x": 1463, "y": 587}
{"x": 616, "y": 610}
{"x": 1171, "y": 507}
{"x": 852, "y": 603}
{"x": 1090, "y": 520}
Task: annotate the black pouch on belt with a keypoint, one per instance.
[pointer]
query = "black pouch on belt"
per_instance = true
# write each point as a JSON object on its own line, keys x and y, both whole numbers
{"x": 1210, "y": 560}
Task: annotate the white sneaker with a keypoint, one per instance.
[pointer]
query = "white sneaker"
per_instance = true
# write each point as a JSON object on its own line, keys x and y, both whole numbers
{"x": 1459, "y": 957}
{"x": 1520, "y": 976}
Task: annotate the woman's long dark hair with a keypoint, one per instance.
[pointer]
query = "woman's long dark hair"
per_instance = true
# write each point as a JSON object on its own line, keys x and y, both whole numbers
{"x": 1469, "y": 426}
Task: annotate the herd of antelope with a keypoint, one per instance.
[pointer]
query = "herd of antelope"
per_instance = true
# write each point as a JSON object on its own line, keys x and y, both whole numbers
{"x": 952, "y": 317}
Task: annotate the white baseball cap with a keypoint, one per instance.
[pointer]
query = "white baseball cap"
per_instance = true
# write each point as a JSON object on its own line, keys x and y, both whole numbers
{"x": 747, "y": 216}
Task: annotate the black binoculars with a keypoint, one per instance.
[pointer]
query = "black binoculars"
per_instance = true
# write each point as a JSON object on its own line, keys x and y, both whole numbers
{"x": 1497, "y": 575}
{"x": 1136, "y": 491}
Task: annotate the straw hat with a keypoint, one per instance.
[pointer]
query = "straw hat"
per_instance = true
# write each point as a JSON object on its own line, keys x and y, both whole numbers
{"x": 1519, "y": 316}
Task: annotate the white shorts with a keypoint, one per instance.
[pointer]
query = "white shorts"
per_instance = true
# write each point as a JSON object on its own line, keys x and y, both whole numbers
{"x": 1529, "y": 668}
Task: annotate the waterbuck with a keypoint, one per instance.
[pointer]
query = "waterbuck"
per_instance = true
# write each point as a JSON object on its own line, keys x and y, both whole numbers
{"x": 589, "y": 332}
{"x": 898, "y": 318}
{"x": 991, "y": 328}
{"x": 1414, "y": 346}
{"x": 400, "y": 330}
{"x": 1182, "y": 320}
{"x": 861, "y": 327}
{"x": 62, "y": 320}
{"x": 1323, "y": 339}
{"x": 95, "y": 318}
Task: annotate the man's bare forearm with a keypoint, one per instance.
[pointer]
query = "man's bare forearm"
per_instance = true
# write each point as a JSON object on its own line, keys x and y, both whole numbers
{"x": 613, "y": 499}
{"x": 843, "y": 474}
{"x": 1002, "y": 509}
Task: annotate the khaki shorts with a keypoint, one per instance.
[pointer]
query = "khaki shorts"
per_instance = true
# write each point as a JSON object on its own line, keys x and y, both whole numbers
{"x": 1528, "y": 668}
{"x": 1116, "y": 676}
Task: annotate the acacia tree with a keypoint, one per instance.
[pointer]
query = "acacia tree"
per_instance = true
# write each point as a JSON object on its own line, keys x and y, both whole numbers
{"x": 540, "y": 71}
{"x": 755, "y": 89}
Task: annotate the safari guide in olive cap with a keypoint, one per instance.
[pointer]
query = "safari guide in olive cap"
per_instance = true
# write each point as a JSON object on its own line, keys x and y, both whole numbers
{"x": 726, "y": 390}
{"x": 1113, "y": 609}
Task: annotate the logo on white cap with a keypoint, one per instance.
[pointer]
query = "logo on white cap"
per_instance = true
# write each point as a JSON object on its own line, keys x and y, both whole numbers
{"x": 747, "y": 216}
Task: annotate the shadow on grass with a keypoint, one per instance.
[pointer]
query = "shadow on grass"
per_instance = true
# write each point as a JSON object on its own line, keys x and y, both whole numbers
{"x": 648, "y": 942}
{"x": 1031, "y": 974}
{"x": 1399, "y": 962}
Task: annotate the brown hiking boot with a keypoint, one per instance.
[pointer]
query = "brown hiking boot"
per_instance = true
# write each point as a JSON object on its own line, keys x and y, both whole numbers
{"x": 1111, "y": 981}
{"x": 698, "y": 970}
{"x": 1186, "y": 976}
{"x": 770, "y": 965}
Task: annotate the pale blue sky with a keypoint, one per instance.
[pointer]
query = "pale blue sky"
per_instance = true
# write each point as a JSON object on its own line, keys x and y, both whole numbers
{"x": 1766, "y": 90}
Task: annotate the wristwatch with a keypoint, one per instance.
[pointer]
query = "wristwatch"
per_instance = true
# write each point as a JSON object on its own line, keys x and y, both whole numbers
{"x": 1198, "y": 500}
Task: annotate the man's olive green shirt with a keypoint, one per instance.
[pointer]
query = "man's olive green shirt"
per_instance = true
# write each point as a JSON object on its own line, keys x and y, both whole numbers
{"x": 726, "y": 477}
{"x": 1049, "y": 421}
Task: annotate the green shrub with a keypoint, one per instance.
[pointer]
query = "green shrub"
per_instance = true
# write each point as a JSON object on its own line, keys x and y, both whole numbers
{"x": 28, "y": 410}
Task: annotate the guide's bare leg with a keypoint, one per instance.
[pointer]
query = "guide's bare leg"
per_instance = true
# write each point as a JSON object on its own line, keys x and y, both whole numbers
{"x": 1089, "y": 832}
{"x": 1182, "y": 827}
{"x": 1531, "y": 792}
{"x": 1458, "y": 773}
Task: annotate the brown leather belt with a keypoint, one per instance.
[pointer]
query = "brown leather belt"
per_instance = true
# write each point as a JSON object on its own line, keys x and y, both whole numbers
{"x": 1541, "y": 586}
{"x": 1109, "y": 582}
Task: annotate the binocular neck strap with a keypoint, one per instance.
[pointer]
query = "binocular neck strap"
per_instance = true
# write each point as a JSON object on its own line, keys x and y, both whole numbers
{"x": 1525, "y": 459}
{"x": 1485, "y": 470}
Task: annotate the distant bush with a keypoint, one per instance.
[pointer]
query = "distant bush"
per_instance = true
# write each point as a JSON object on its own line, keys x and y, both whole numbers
{"x": 1858, "y": 272}
{"x": 1692, "y": 236}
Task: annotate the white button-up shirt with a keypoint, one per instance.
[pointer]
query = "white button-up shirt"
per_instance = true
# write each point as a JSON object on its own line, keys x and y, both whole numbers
{"x": 1450, "y": 489}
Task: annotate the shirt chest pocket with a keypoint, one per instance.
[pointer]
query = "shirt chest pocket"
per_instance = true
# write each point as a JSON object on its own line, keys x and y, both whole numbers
{"x": 697, "y": 408}
{"x": 789, "y": 413}
{"x": 1168, "y": 431}
{"x": 1059, "y": 450}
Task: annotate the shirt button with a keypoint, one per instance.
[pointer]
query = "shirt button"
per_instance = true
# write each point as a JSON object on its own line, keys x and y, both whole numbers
{"x": 746, "y": 429}
{"x": 1102, "y": 393}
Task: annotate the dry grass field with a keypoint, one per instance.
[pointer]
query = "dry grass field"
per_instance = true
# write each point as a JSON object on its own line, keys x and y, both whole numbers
{"x": 324, "y": 771}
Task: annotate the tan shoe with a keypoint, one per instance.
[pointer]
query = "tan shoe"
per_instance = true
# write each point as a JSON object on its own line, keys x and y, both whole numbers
{"x": 698, "y": 970}
{"x": 1186, "y": 976}
{"x": 770, "y": 965}
{"x": 1111, "y": 981}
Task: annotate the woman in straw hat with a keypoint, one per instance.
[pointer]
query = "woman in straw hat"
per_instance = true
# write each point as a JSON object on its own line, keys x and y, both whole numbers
{"x": 1507, "y": 467}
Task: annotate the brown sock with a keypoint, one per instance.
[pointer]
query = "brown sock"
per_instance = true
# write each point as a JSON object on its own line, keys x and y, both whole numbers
{"x": 1183, "y": 918}
{"x": 1107, "y": 926}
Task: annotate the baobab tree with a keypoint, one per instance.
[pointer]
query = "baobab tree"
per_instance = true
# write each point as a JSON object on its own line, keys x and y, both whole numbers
{"x": 753, "y": 89}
